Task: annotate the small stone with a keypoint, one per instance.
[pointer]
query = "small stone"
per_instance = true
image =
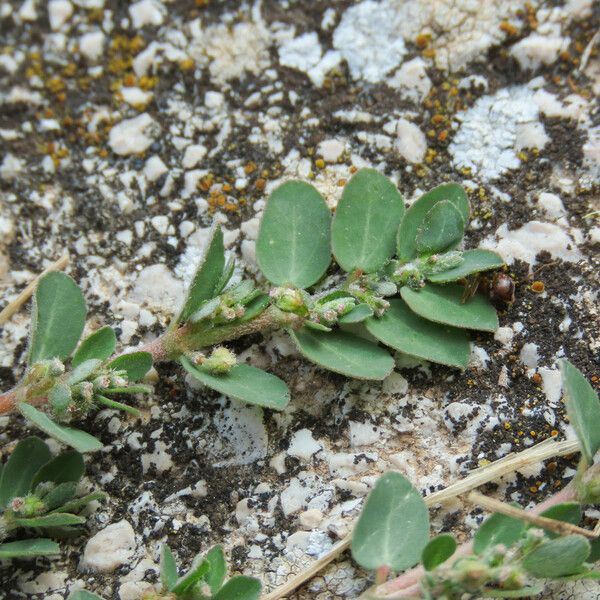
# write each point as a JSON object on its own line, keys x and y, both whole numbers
{"x": 146, "y": 12}
{"x": 536, "y": 50}
{"x": 310, "y": 519}
{"x": 303, "y": 445}
{"x": 135, "y": 96}
{"x": 552, "y": 205}
{"x": 109, "y": 548}
{"x": 91, "y": 45}
{"x": 154, "y": 168}
{"x": 129, "y": 136}
{"x": 213, "y": 99}
{"x": 411, "y": 142}
{"x": 11, "y": 166}
{"x": 193, "y": 155}
{"x": 331, "y": 150}
{"x": 59, "y": 12}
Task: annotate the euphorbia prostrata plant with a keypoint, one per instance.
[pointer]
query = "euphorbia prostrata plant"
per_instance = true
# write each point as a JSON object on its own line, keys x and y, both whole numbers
{"x": 396, "y": 284}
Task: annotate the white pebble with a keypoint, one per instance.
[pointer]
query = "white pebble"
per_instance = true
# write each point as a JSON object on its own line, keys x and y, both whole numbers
{"x": 109, "y": 548}
{"x": 411, "y": 142}
{"x": 193, "y": 155}
{"x": 303, "y": 445}
{"x": 154, "y": 168}
{"x": 146, "y": 12}
{"x": 91, "y": 45}
{"x": 129, "y": 136}
{"x": 59, "y": 12}
{"x": 331, "y": 150}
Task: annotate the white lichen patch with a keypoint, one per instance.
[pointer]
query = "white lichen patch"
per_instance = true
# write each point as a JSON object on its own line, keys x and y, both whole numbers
{"x": 493, "y": 130}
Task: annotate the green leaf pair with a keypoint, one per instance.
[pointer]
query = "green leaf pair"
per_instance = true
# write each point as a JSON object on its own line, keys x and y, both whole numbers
{"x": 208, "y": 571}
{"x": 38, "y": 491}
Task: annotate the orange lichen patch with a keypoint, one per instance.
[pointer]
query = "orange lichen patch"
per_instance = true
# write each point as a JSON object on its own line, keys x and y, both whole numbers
{"x": 353, "y": 169}
{"x": 187, "y": 64}
{"x": 438, "y": 119}
{"x": 430, "y": 155}
{"x": 554, "y": 433}
{"x": 55, "y": 85}
{"x": 341, "y": 182}
{"x": 429, "y": 53}
{"x": 129, "y": 80}
{"x": 443, "y": 135}
{"x": 226, "y": 188}
{"x": 507, "y": 426}
{"x": 509, "y": 28}
{"x": 201, "y": 3}
{"x": 260, "y": 184}
{"x": 538, "y": 287}
{"x": 422, "y": 40}
{"x": 206, "y": 182}
{"x": 320, "y": 163}
{"x": 536, "y": 378}
{"x": 249, "y": 167}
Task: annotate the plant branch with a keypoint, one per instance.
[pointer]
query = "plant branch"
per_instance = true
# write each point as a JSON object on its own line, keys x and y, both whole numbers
{"x": 504, "y": 466}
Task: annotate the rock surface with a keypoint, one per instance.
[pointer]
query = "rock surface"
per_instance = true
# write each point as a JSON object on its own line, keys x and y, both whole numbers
{"x": 127, "y": 129}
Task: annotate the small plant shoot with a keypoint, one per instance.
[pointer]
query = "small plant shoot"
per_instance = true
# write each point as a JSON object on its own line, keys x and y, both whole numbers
{"x": 509, "y": 557}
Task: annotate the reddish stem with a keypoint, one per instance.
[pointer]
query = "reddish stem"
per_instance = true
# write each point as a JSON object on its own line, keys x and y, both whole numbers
{"x": 408, "y": 584}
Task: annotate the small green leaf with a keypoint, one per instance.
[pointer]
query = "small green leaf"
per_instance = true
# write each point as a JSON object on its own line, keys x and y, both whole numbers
{"x": 60, "y": 398}
{"x": 60, "y": 495}
{"x": 442, "y": 304}
{"x": 474, "y": 261}
{"x": 293, "y": 240}
{"x": 68, "y": 466}
{"x": 568, "y": 512}
{"x": 316, "y": 326}
{"x": 110, "y": 403}
{"x": 442, "y": 229}
{"x": 524, "y": 592}
{"x": 83, "y": 595}
{"x": 245, "y": 383}
{"x": 168, "y": 568}
{"x": 208, "y": 276}
{"x": 226, "y": 275}
{"x": 344, "y": 353}
{"x": 197, "y": 572}
{"x": 595, "y": 551}
{"x": 57, "y": 318}
{"x": 400, "y": 328}
{"x": 101, "y": 345}
{"x": 218, "y": 568}
{"x": 254, "y": 308}
{"x": 360, "y": 313}
{"x": 84, "y": 370}
{"x": 52, "y": 520}
{"x": 393, "y": 528}
{"x": 239, "y": 588}
{"x": 80, "y": 440}
{"x": 137, "y": 364}
{"x": 497, "y": 529}
{"x": 28, "y": 548}
{"x": 366, "y": 222}
{"x": 414, "y": 217}
{"x": 79, "y": 503}
{"x": 438, "y": 551}
{"x": 28, "y": 457}
{"x": 559, "y": 557}
{"x": 583, "y": 408}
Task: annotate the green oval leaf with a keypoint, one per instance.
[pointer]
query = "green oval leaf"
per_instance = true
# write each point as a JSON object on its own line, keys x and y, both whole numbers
{"x": 293, "y": 240}
{"x": 80, "y": 440}
{"x": 78, "y": 503}
{"x": 168, "y": 568}
{"x": 497, "y": 529}
{"x": 442, "y": 304}
{"x": 68, "y": 466}
{"x": 239, "y": 588}
{"x": 366, "y": 221}
{"x": 59, "y": 495}
{"x": 474, "y": 261}
{"x": 196, "y": 573}
{"x": 559, "y": 557}
{"x": 28, "y": 548}
{"x": 53, "y": 520}
{"x": 360, "y": 313}
{"x": 57, "y": 318}
{"x": 438, "y": 551}
{"x": 83, "y": 595}
{"x": 393, "y": 528}
{"x": 442, "y": 229}
{"x": 524, "y": 592}
{"x": 136, "y": 364}
{"x": 583, "y": 408}
{"x": 255, "y": 308}
{"x": 208, "y": 276}
{"x": 28, "y": 457}
{"x": 218, "y": 568}
{"x": 344, "y": 353}
{"x": 60, "y": 398}
{"x": 400, "y": 328}
{"x": 415, "y": 215}
{"x": 244, "y": 383}
{"x": 100, "y": 345}
{"x": 568, "y": 512}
